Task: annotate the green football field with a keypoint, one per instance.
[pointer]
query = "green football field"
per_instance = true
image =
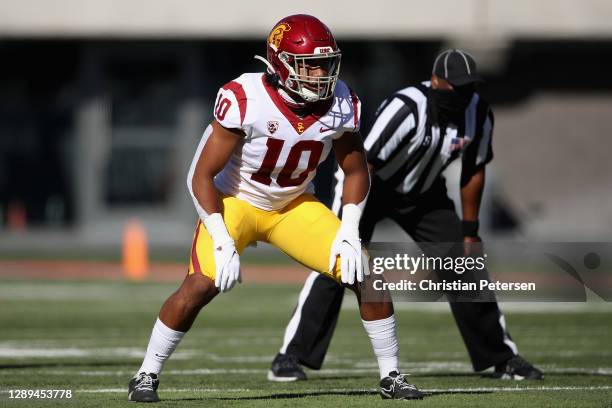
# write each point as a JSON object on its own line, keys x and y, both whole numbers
{"x": 89, "y": 337}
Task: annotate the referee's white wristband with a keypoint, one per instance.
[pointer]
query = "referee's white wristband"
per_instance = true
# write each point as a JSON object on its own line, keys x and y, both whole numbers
{"x": 216, "y": 228}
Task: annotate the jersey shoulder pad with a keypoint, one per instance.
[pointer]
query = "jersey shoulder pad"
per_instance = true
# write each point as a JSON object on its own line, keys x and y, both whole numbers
{"x": 235, "y": 104}
{"x": 347, "y": 107}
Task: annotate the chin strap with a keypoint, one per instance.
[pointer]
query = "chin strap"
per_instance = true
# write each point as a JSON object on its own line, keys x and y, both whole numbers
{"x": 289, "y": 99}
{"x": 271, "y": 69}
{"x": 283, "y": 93}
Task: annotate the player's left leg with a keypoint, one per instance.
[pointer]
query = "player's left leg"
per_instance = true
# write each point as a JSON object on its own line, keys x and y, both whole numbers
{"x": 317, "y": 227}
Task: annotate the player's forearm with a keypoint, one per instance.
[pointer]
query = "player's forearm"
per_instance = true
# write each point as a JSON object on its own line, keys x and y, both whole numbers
{"x": 208, "y": 207}
{"x": 356, "y": 187}
{"x": 354, "y": 196}
{"x": 206, "y": 193}
{"x": 351, "y": 158}
{"x": 471, "y": 195}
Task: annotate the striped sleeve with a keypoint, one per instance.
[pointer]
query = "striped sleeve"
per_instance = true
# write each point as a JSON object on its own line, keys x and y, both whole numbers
{"x": 231, "y": 105}
{"x": 480, "y": 151}
{"x": 396, "y": 120}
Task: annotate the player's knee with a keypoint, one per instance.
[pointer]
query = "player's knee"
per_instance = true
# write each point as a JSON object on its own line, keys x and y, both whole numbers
{"x": 367, "y": 293}
{"x": 197, "y": 290}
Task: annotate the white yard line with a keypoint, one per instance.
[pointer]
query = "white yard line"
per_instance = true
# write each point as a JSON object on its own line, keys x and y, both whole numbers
{"x": 36, "y": 350}
{"x": 9, "y": 351}
{"x": 416, "y": 368}
{"x": 96, "y": 291}
{"x": 520, "y": 389}
{"x": 514, "y": 307}
{"x": 347, "y": 390}
{"x": 354, "y": 366}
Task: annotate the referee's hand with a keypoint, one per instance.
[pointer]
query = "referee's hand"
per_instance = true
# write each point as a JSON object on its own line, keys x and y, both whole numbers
{"x": 472, "y": 246}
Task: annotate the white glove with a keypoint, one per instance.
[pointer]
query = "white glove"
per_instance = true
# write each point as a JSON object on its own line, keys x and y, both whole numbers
{"x": 227, "y": 261}
{"x": 353, "y": 261}
{"x": 227, "y": 266}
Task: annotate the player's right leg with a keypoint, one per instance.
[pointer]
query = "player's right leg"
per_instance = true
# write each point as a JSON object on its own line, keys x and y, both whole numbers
{"x": 182, "y": 307}
{"x": 175, "y": 319}
{"x": 311, "y": 327}
{"x": 318, "y": 227}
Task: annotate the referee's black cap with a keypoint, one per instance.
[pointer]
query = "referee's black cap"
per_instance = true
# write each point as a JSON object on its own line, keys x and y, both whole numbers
{"x": 457, "y": 67}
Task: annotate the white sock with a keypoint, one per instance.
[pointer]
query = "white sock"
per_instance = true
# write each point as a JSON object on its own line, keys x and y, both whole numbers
{"x": 161, "y": 345}
{"x": 384, "y": 342}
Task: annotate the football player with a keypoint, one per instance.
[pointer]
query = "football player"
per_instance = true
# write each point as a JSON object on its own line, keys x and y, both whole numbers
{"x": 250, "y": 181}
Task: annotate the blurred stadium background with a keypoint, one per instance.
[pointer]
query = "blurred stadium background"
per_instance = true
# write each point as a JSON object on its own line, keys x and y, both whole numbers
{"x": 102, "y": 104}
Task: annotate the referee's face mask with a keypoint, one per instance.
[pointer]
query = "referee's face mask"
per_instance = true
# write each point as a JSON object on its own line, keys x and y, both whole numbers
{"x": 451, "y": 103}
{"x": 454, "y": 100}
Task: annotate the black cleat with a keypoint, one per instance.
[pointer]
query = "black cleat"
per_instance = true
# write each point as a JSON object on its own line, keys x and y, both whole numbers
{"x": 285, "y": 368}
{"x": 517, "y": 368}
{"x": 395, "y": 386}
{"x": 143, "y": 388}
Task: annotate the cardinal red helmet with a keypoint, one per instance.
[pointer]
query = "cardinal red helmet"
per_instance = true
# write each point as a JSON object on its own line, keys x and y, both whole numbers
{"x": 303, "y": 52}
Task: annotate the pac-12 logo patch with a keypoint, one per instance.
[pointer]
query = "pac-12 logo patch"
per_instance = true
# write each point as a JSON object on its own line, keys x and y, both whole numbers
{"x": 272, "y": 126}
{"x": 276, "y": 36}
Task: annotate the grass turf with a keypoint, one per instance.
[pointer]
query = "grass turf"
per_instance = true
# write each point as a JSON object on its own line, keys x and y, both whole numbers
{"x": 90, "y": 337}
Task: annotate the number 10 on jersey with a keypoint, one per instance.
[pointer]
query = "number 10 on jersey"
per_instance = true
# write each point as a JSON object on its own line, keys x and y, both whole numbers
{"x": 284, "y": 178}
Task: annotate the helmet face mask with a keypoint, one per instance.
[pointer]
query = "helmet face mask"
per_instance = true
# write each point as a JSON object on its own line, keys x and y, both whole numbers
{"x": 303, "y": 53}
{"x": 312, "y": 77}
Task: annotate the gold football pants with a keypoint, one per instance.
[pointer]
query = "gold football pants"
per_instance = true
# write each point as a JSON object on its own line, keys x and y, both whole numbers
{"x": 304, "y": 230}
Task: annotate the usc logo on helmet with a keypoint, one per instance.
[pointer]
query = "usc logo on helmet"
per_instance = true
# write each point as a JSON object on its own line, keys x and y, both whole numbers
{"x": 276, "y": 36}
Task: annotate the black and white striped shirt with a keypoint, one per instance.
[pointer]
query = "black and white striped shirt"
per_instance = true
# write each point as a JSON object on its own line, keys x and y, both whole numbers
{"x": 409, "y": 152}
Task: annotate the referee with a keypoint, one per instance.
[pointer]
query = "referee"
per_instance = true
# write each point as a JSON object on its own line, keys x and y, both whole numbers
{"x": 418, "y": 132}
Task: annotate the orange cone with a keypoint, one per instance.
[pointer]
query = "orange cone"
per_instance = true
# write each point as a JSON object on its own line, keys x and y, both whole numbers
{"x": 135, "y": 251}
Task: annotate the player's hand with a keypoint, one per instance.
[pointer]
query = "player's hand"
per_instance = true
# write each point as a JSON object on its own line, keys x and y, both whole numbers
{"x": 353, "y": 261}
{"x": 227, "y": 261}
{"x": 227, "y": 266}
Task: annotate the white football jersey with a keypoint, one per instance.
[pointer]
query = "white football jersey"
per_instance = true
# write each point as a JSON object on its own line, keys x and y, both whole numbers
{"x": 278, "y": 159}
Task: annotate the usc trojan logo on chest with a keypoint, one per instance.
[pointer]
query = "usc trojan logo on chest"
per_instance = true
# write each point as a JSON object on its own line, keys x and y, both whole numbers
{"x": 276, "y": 36}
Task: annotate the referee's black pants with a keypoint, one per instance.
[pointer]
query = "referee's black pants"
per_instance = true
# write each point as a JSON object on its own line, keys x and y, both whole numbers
{"x": 430, "y": 218}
